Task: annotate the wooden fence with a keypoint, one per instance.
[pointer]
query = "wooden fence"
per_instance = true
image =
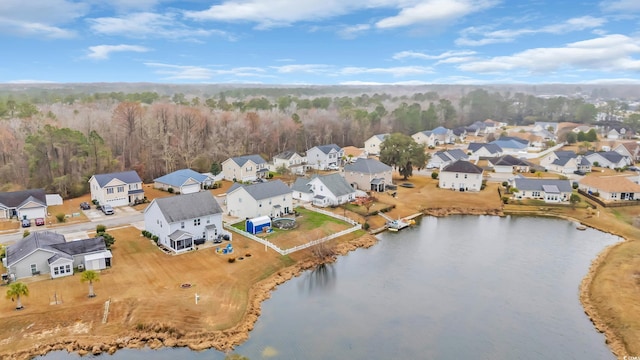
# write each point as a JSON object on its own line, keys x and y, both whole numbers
{"x": 620, "y": 203}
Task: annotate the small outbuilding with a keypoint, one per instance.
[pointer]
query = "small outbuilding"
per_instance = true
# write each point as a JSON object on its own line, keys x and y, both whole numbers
{"x": 258, "y": 224}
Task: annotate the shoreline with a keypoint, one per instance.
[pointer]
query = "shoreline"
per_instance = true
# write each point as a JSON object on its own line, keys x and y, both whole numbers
{"x": 156, "y": 336}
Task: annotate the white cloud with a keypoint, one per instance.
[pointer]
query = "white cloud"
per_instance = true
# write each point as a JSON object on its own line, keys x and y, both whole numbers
{"x": 456, "y": 60}
{"x": 623, "y": 6}
{"x": 398, "y": 71}
{"x": 30, "y": 81}
{"x": 435, "y": 11}
{"x": 607, "y": 53}
{"x": 190, "y": 72}
{"x": 102, "y": 52}
{"x": 351, "y": 32}
{"x": 419, "y": 55}
{"x": 488, "y": 36}
{"x": 613, "y": 81}
{"x": 146, "y": 24}
{"x": 303, "y": 68}
{"x": 39, "y": 18}
{"x": 374, "y": 83}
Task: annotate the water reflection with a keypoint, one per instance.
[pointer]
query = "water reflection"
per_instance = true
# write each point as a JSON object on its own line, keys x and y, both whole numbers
{"x": 320, "y": 279}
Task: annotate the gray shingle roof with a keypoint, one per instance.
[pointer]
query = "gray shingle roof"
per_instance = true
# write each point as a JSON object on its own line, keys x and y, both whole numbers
{"x": 327, "y": 148}
{"x": 367, "y": 166}
{"x": 128, "y": 177}
{"x": 16, "y": 198}
{"x": 241, "y": 160}
{"x": 491, "y": 148}
{"x": 302, "y": 185}
{"x": 286, "y": 155}
{"x": 336, "y": 184}
{"x": 526, "y": 184}
{"x": 180, "y": 177}
{"x": 81, "y": 246}
{"x": 463, "y": 166}
{"x": 32, "y": 242}
{"x": 188, "y": 206}
{"x": 508, "y": 160}
{"x": 381, "y": 137}
{"x": 264, "y": 190}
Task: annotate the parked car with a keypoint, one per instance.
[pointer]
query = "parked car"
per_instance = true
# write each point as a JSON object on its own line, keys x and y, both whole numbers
{"x": 39, "y": 221}
{"x": 85, "y": 206}
{"x": 579, "y": 172}
{"x": 26, "y": 223}
{"x": 333, "y": 167}
{"x": 107, "y": 209}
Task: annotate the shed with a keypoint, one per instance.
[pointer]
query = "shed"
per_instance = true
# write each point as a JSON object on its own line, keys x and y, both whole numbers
{"x": 256, "y": 225}
{"x": 53, "y": 199}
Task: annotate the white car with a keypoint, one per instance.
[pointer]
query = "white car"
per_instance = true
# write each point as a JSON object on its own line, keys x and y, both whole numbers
{"x": 333, "y": 167}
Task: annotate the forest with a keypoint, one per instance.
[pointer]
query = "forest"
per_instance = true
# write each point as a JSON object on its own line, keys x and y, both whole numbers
{"x": 56, "y": 138}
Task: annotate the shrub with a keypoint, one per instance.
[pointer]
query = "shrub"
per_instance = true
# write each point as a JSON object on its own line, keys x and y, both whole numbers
{"x": 60, "y": 217}
{"x": 101, "y": 229}
{"x": 170, "y": 190}
{"x": 574, "y": 185}
{"x": 505, "y": 184}
{"x": 366, "y": 226}
{"x": 155, "y": 238}
{"x": 596, "y": 194}
{"x": 232, "y": 259}
{"x": 434, "y": 175}
{"x": 94, "y": 202}
{"x": 25, "y": 233}
{"x": 505, "y": 199}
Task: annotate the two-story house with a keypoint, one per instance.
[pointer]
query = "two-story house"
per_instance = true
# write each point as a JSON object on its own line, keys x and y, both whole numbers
{"x": 244, "y": 168}
{"x": 290, "y": 160}
{"x": 324, "y": 190}
{"x": 372, "y": 144}
{"x": 323, "y": 157}
{"x": 179, "y": 221}
{"x": 368, "y": 174}
{"x": 272, "y": 198}
{"x": 116, "y": 189}
{"x": 461, "y": 175}
{"x": 565, "y": 162}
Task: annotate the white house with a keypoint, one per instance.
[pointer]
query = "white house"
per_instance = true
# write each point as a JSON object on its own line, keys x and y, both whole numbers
{"x": 290, "y": 160}
{"x": 610, "y": 188}
{"x": 244, "y": 168}
{"x": 565, "y": 162}
{"x": 443, "y": 158}
{"x": 512, "y": 145}
{"x": 483, "y": 150}
{"x": 324, "y": 190}
{"x": 549, "y": 190}
{"x": 26, "y": 204}
{"x": 435, "y": 137}
{"x": 178, "y": 221}
{"x": 426, "y": 138}
{"x": 372, "y": 144}
{"x": 508, "y": 164}
{"x": 184, "y": 181}
{"x": 461, "y": 175}
{"x": 321, "y": 157}
{"x": 272, "y": 198}
{"x": 368, "y": 174}
{"x": 47, "y": 252}
{"x": 630, "y": 149}
{"x": 116, "y": 189}
{"x": 608, "y": 159}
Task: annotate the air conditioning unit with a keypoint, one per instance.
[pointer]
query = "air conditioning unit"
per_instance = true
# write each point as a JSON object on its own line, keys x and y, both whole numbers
{"x": 80, "y": 267}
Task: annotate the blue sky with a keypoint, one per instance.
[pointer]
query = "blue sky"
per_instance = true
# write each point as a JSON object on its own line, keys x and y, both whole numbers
{"x": 320, "y": 41}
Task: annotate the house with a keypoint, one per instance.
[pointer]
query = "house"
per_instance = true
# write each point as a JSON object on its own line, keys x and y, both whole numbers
{"x": 368, "y": 174}
{"x": 630, "y": 149}
{"x": 460, "y": 133}
{"x": 116, "y": 189}
{"x": 292, "y": 161}
{"x": 549, "y": 190}
{"x": 426, "y": 138}
{"x": 331, "y": 190}
{"x": 615, "y": 133}
{"x": 272, "y": 198}
{"x": 512, "y": 145}
{"x": 443, "y": 158}
{"x": 509, "y": 164}
{"x": 301, "y": 190}
{"x": 244, "y": 168}
{"x": 610, "y": 188}
{"x": 551, "y": 127}
{"x": 565, "y": 162}
{"x": 372, "y": 144}
{"x": 321, "y": 157}
{"x": 477, "y": 128}
{"x": 461, "y": 175}
{"x": 184, "y": 181}
{"x": 47, "y": 252}
{"x": 607, "y": 159}
{"x": 352, "y": 153}
{"x": 26, "y": 204}
{"x": 179, "y": 221}
{"x": 483, "y": 151}
{"x": 435, "y": 137}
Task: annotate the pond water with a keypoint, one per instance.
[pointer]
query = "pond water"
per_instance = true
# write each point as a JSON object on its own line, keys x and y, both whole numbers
{"x": 457, "y": 287}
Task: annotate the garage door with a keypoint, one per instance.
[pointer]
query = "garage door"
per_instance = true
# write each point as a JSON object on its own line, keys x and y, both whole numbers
{"x": 189, "y": 189}
{"x": 33, "y": 213}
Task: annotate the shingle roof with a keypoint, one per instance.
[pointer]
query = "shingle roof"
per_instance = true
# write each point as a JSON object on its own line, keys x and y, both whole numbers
{"x": 336, "y": 184}
{"x": 440, "y": 130}
{"x": 327, "y": 148}
{"x": 16, "y": 198}
{"x": 491, "y": 148}
{"x": 610, "y": 183}
{"x": 367, "y": 166}
{"x": 611, "y": 156}
{"x": 188, "y": 206}
{"x": 180, "y": 177}
{"x": 526, "y": 184}
{"x": 302, "y": 185}
{"x": 128, "y": 177}
{"x": 463, "y": 166}
{"x": 264, "y": 190}
{"x": 81, "y": 246}
{"x": 511, "y": 142}
{"x": 381, "y": 137}
{"x": 285, "y": 155}
{"x": 241, "y": 160}
{"x": 28, "y": 244}
{"x": 508, "y": 160}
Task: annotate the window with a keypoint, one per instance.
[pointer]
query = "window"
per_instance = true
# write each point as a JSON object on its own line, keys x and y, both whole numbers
{"x": 34, "y": 269}
{"x": 120, "y": 189}
{"x": 182, "y": 225}
{"x": 68, "y": 268}
{"x": 465, "y": 176}
{"x": 109, "y": 190}
{"x": 196, "y": 222}
{"x": 456, "y": 176}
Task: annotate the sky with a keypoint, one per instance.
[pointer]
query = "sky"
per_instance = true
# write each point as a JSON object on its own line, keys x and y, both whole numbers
{"x": 320, "y": 42}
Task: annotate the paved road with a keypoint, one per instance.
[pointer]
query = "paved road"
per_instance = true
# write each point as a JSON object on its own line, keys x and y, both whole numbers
{"x": 119, "y": 219}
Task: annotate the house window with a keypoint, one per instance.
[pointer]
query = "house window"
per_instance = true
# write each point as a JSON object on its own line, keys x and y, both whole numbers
{"x": 456, "y": 176}
{"x": 196, "y": 222}
{"x": 465, "y": 176}
{"x": 34, "y": 269}
{"x": 109, "y": 190}
{"x": 239, "y": 200}
{"x": 55, "y": 270}
{"x": 68, "y": 268}
{"x": 120, "y": 189}
{"x": 182, "y": 225}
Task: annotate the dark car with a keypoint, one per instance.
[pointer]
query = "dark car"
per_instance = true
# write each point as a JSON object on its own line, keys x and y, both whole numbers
{"x": 579, "y": 172}
{"x": 26, "y": 223}
{"x": 39, "y": 221}
{"x": 85, "y": 206}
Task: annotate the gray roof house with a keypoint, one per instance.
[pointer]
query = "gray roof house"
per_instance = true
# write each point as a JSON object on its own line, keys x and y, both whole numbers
{"x": 331, "y": 190}
{"x": 26, "y": 204}
{"x": 244, "y": 168}
{"x": 445, "y": 157}
{"x": 368, "y": 174}
{"x": 372, "y": 144}
{"x": 47, "y": 252}
{"x": 116, "y": 189}
{"x": 321, "y": 157}
{"x": 461, "y": 175}
{"x": 509, "y": 164}
{"x": 179, "y": 221}
{"x": 608, "y": 159}
{"x": 184, "y": 181}
{"x": 549, "y": 190}
{"x": 272, "y": 198}
{"x": 565, "y": 162}
{"x": 483, "y": 150}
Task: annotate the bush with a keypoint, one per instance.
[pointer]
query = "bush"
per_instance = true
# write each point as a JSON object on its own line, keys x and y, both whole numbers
{"x": 94, "y": 202}
{"x": 505, "y": 184}
{"x": 574, "y": 185}
{"x": 170, "y": 190}
{"x": 232, "y": 259}
{"x": 155, "y": 238}
{"x": 434, "y": 175}
{"x": 25, "y": 233}
{"x": 505, "y": 199}
{"x": 101, "y": 229}
{"x": 60, "y": 217}
{"x": 366, "y": 226}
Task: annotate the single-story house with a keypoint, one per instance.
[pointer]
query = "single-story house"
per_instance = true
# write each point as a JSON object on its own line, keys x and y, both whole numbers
{"x": 272, "y": 198}
{"x": 116, "y": 189}
{"x": 368, "y": 174}
{"x": 184, "y": 181}
{"x": 372, "y": 144}
{"x": 321, "y": 157}
{"x": 565, "y": 162}
{"x": 179, "y": 221}
{"x": 509, "y": 164}
{"x": 610, "y": 188}
{"x": 443, "y": 158}
{"x": 25, "y": 204}
{"x": 512, "y": 145}
{"x": 630, "y": 149}
{"x": 47, "y": 252}
{"x": 461, "y": 175}
{"x": 245, "y": 168}
{"x": 483, "y": 150}
{"x": 550, "y": 190}
{"x": 608, "y": 159}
